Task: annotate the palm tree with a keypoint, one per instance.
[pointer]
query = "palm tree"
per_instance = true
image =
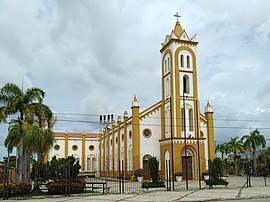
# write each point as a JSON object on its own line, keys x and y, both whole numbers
{"x": 15, "y": 101}
{"x": 253, "y": 141}
{"x": 235, "y": 146}
{"x": 222, "y": 148}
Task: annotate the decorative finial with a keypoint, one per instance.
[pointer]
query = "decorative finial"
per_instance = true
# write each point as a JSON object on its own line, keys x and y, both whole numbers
{"x": 177, "y": 16}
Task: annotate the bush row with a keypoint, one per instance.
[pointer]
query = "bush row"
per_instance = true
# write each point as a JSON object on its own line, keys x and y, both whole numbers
{"x": 60, "y": 188}
{"x": 16, "y": 189}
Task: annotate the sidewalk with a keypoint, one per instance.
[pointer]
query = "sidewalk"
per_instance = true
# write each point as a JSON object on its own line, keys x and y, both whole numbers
{"x": 235, "y": 190}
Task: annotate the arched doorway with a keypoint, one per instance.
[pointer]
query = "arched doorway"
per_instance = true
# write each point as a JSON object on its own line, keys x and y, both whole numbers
{"x": 167, "y": 165}
{"x": 147, "y": 175}
{"x": 187, "y": 164}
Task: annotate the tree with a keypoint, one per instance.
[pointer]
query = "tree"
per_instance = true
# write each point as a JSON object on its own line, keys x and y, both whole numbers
{"x": 222, "y": 148}
{"x": 253, "y": 141}
{"x": 15, "y": 101}
{"x": 235, "y": 146}
{"x": 153, "y": 167}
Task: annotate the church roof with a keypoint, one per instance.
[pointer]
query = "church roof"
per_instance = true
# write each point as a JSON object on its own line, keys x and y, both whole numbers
{"x": 180, "y": 34}
{"x": 79, "y": 135}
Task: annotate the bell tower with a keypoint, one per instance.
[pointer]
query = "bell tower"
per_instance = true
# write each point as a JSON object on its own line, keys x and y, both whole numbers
{"x": 180, "y": 108}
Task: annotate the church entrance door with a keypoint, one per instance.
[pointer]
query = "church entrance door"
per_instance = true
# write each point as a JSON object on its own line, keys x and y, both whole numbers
{"x": 189, "y": 167}
{"x": 147, "y": 175}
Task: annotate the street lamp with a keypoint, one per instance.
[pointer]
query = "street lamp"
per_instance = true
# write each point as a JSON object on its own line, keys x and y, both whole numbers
{"x": 185, "y": 135}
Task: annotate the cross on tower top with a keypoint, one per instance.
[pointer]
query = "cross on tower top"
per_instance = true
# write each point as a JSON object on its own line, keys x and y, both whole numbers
{"x": 177, "y": 16}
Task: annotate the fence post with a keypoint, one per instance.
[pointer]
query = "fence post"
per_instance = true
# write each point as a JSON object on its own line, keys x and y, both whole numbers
{"x": 123, "y": 188}
{"x": 69, "y": 183}
{"x": 166, "y": 168}
{"x": 119, "y": 174}
{"x": 5, "y": 185}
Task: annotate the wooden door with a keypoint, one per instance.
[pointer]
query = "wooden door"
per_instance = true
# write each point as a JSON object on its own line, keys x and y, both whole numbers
{"x": 147, "y": 175}
{"x": 189, "y": 167}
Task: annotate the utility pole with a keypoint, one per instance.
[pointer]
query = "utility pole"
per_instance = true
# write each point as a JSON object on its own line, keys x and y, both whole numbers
{"x": 198, "y": 142}
{"x": 172, "y": 145}
{"x": 106, "y": 122}
{"x": 185, "y": 134}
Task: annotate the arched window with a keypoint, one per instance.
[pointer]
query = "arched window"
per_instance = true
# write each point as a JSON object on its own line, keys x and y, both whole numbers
{"x": 188, "y": 61}
{"x": 186, "y": 83}
{"x": 183, "y": 118}
{"x": 168, "y": 121}
{"x": 182, "y": 60}
{"x": 190, "y": 114}
{"x": 167, "y": 87}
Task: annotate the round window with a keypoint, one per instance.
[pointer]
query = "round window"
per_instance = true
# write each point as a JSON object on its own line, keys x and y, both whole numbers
{"x": 56, "y": 147}
{"x": 147, "y": 133}
{"x": 74, "y": 147}
{"x": 130, "y": 134}
{"x": 91, "y": 147}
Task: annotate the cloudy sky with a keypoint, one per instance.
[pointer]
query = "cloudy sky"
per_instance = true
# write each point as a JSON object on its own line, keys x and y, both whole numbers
{"x": 92, "y": 56}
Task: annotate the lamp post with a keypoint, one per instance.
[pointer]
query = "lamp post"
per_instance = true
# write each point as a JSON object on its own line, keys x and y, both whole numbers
{"x": 185, "y": 135}
{"x": 198, "y": 142}
{"x": 172, "y": 144}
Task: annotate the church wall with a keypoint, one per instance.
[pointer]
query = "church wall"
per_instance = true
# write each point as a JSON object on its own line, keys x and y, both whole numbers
{"x": 91, "y": 156}
{"x": 150, "y": 146}
{"x": 203, "y": 127}
{"x": 76, "y": 153}
{"x": 61, "y": 152}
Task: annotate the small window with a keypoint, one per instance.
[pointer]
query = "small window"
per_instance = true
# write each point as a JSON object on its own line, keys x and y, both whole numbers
{"x": 147, "y": 133}
{"x": 186, "y": 83}
{"x": 165, "y": 68}
{"x": 122, "y": 137}
{"x": 130, "y": 134}
{"x": 182, "y": 60}
{"x": 188, "y": 62}
{"x": 56, "y": 147}
{"x": 91, "y": 147}
{"x": 168, "y": 66}
{"x": 202, "y": 135}
{"x": 74, "y": 147}
{"x": 111, "y": 142}
{"x": 167, "y": 88}
{"x": 116, "y": 139}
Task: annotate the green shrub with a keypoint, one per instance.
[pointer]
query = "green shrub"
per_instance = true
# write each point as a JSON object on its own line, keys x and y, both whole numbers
{"x": 56, "y": 188}
{"x": 139, "y": 172}
{"x": 77, "y": 187}
{"x": 148, "y": 185}
{"x": 153, "y": 167}
{"x": 178, "y": 174}
{"x": 217, "y": 182}
{"x": 261, "y": 169}
{"x": 15, "y": 189}
{"x": 205, "y": 173}
{"x": 231, "y": 171}
{"x": 59, "y": 188}
{"x": 23, "y": 188}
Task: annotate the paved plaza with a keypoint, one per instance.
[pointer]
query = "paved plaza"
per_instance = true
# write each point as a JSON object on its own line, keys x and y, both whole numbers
{"x": 235, "y": 190}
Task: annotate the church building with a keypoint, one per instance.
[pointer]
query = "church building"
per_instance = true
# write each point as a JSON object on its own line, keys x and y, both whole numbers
{"x": 173, "y": 130}
{"x": 163, "y": 129}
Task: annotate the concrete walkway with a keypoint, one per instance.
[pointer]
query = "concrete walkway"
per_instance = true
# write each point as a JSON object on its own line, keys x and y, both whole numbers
{"x": 235, "y": 190}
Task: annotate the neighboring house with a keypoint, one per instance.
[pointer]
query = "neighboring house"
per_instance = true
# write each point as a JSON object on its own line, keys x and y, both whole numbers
{"x": 83, "y": 146}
